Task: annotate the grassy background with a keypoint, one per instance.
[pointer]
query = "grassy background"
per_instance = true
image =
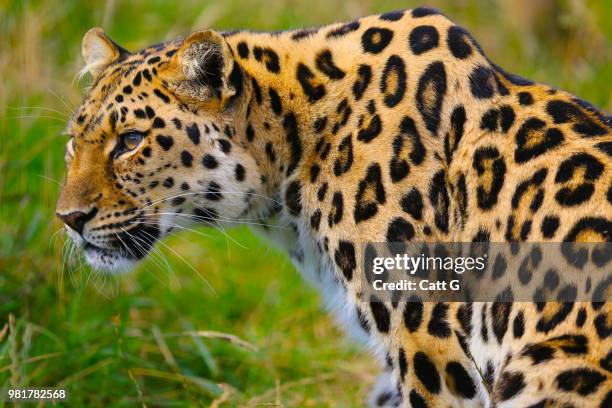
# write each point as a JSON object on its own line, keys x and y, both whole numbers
{"x": 127, "y": 342}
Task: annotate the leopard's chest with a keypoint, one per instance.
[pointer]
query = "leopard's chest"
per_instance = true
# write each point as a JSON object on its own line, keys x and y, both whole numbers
{"x": 314, "y": 267}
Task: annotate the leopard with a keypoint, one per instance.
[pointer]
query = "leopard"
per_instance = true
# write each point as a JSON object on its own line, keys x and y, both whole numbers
{"x": 389, "y": 128}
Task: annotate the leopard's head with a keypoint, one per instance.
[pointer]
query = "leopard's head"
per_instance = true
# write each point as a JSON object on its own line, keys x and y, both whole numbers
{"x": 153, "y": 147}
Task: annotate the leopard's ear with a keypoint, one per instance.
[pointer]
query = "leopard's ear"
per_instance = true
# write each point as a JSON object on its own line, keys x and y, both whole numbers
{"x": 202, "y": 69}
{"x": 99, "y": 51}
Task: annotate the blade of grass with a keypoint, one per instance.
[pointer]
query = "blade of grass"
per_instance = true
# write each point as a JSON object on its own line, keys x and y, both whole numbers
{"x": 202, "y": 349}
{"x": 223, "y": 336}
{"x": 210, "y": 388}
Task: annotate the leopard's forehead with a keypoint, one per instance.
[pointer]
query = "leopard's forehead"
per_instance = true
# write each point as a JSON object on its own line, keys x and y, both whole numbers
{"x": 128, "y": 81}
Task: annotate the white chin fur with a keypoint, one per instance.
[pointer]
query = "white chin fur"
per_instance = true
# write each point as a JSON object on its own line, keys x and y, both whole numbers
{"x": 103, "y": 262}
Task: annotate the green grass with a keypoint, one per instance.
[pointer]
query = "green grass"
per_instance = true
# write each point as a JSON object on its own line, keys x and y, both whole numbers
{"x": 125, "y": 342}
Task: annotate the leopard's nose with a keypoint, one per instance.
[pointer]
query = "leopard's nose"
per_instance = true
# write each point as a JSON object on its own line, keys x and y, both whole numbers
{"x": 77, "y": 219}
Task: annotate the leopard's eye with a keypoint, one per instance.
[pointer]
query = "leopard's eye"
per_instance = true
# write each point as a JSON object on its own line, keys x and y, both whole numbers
{"x": 132, "y": 140}
{"x": 128, "y": 142}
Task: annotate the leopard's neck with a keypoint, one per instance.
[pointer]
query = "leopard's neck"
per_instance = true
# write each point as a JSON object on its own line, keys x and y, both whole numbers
{"x": 288, "y": 105}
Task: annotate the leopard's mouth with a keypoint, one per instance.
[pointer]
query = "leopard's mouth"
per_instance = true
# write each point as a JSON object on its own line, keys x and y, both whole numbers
{"x": 124, "y": 250}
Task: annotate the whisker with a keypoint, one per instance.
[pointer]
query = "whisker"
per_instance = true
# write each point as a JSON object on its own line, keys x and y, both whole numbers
{"x": 156, "y": 254}
{"x": 88, "y": 276}
{"x": 219, "y": 218}
{"x": 206, "y": 191}
{"x": 196, "y": 205}
{"x": 220, "y": 228}
{"x": 228, "y": 220}
{"x": 173, "y": 233}
{"x": 100, "y": 284}
{"x": 36, "y": 117}
{"x": 54, "y": 237}
{"x": 50, "y": 179}
{"x": 193, "y": 231}
{"x": 64, "y": 115}
{"x": 65, "y": 247}
{"x": 71, "y": 109}
{"x": 186, "y": 263}
{"x": 127, "y": 248}
{"x": 70, "y": 262}
{"x": 209, "y": 222}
